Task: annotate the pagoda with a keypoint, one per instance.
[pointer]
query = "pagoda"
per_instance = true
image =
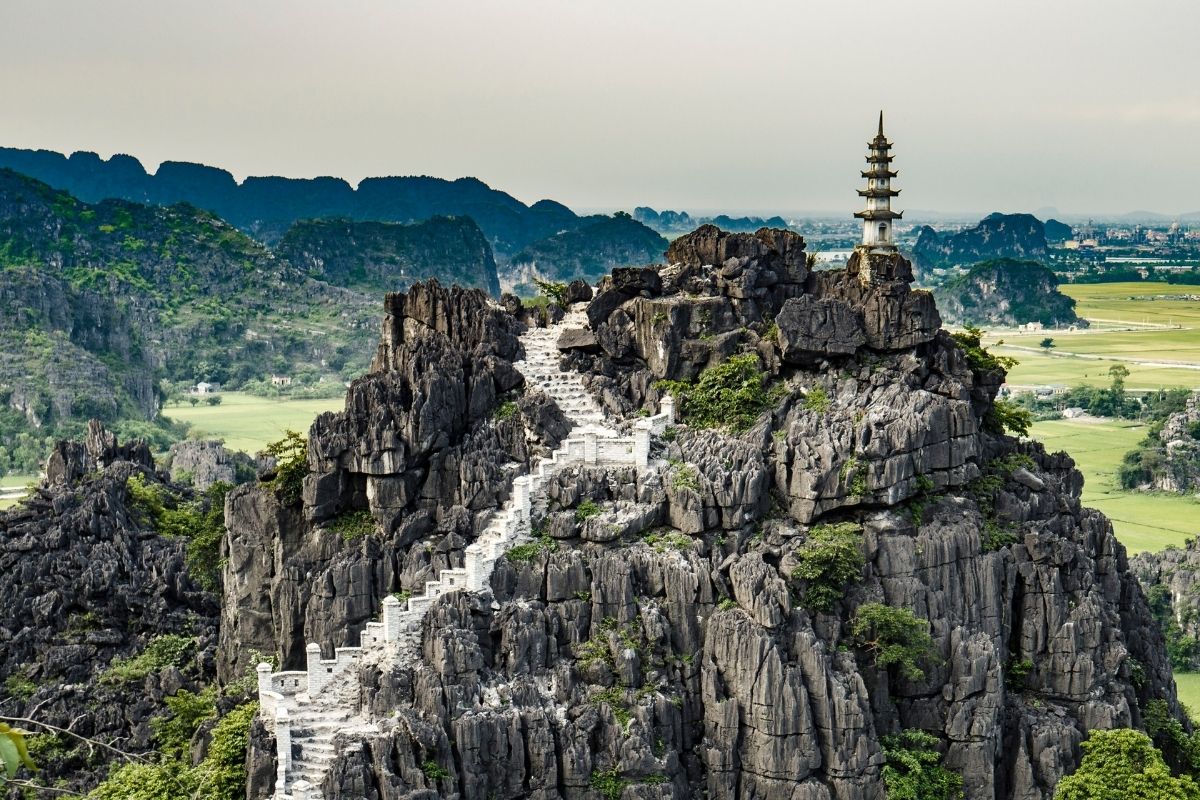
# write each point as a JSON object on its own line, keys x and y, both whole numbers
{"x": 877, "y": 217}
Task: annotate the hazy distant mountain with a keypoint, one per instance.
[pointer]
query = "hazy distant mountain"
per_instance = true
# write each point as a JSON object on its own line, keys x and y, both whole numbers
{"x": 266, "y": 207}
{"x": 680, "y": 221}
{"x": 102, "y": 303}
{"x": 594, "y": 249}
{"x": 390, "y": 257}
{"x": 1057, "y": 231}
{"x": 1019, "y": 236}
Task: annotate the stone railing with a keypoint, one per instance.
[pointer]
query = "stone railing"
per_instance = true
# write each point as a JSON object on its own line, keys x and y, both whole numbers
{"x": 333, "y": 683}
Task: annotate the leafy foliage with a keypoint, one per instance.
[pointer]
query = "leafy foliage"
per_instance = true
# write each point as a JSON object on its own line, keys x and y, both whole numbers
{"x": 291, "y": 465}
{"x": 894, "y": 636}
{"x": 817, "y": 400}
{"x": 434, "y": 771}
{"x": 554, "y": 292}
{"x": 970, "y": 340}
{"x": 914, "y": 771}
{"x": 14, "y": 753}
{"x": 587, "y": 509}
{"x": 167, "y": 650}
{"x": 353, "y": 525}
{"x": 201, "y": 522}
{"x": 609, "y": 784}
{"x": 728, "y": 395}
{"x": 829, "y": 559}
{"x": 1006, "y": 416}
{"x": 1123, "y": 764}
{"x": 526, "y": 553}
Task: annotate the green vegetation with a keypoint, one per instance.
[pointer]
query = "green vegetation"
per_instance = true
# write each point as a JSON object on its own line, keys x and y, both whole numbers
{"x": 201, "y": 522}
{"x": 587, "y": 509}
{"x": 1119, "y": 313}
{"x": 684, "y": 476}
{"x": 661, "y": 540}
{"x": 504, "y": 411}
{"x": 1183, "y": 650}
{"x": 291, "y": 466}
{"x": 731, "y": 394}
{"x": 913, "y": 768}
{"x": 250, "y": 423}
{"x": 220, "y": 776}
{"x": 817, "y": 400}
{"x": 554, "y": 292}
{"x": 894, "y": 636}
{"x": 526, "y": 553}
{"x": 14, "y": 752}
{"x": 434, "y": 771}
{"x": 828, "y": 559}
{"x": 1123, "y": 764}
{"x": 167, "y": 650}
{"x": 1018, "y": 292}
{"x": 980, "y": 358}
{"x": 20, "y": 686}
{"x": 353, "y": 525}
{"x": 609, "y": 784}
{"x": 1142, "y": 521}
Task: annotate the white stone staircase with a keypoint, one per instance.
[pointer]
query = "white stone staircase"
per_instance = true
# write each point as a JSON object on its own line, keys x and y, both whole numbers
{"x": 307, "y": 708}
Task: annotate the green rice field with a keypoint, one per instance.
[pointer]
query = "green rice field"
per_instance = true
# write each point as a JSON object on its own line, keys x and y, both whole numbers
{"x": 1141, "y": 521}
{"x": 249, "y": 423}
{"x": 1108, "y": 306}
{"x": 9, "y": 483}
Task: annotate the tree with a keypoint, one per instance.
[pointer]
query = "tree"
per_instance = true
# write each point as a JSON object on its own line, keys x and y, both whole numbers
{"x": 215, "y": 400}
{"x": 914, "y": 771}
{"x": 193, "y": 400}
{"x": 894, "y": 636}
{"x": 1048, "y": 342}
{"x": 1118, "y": 373}
{"x": 1123, "y": 764}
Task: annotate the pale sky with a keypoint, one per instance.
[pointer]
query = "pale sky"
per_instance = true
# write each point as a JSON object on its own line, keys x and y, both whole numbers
{"x": 687, "y": 104}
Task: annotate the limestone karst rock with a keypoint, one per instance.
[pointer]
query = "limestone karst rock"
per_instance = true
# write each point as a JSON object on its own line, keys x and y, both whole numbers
{"x": 651, "y": 637}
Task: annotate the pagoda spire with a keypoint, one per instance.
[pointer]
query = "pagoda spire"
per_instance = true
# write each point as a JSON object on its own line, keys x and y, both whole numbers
{"x": 878, "y": 216}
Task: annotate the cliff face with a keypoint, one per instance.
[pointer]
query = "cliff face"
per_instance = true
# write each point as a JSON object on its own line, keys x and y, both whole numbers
{"x": 382, "y": 257}
{"x": 1169, "y": 462}
{"x": 662, "y": 639}
{"x": 1015, "y": 236}
{"x": 86, "y": 583}
{"x": 1008, "y": 293}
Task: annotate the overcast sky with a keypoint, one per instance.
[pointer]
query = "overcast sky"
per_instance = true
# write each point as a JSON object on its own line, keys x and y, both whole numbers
{"x": 687, "y": 104}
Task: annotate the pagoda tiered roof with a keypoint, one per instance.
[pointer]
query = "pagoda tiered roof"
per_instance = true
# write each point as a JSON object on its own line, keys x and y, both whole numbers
{"x": 878, "y": 214}
{"x": 878, "y": 191}
{"x": 875, "y": 172}
{"x": 880, "y": 157}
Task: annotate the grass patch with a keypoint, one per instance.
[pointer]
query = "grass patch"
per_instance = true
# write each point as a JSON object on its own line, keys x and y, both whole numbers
{"x": 250, "y": 423}
{"x": 353, "y": 525}
{"x": 526, "y": 553}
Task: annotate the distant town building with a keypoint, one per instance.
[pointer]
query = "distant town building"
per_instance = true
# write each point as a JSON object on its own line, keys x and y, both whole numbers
{"x": 1073, "y": 413}
{"x": 281, "y": 380}
{"x": 1031, "y": 326}
{"x": 206, "y": 388}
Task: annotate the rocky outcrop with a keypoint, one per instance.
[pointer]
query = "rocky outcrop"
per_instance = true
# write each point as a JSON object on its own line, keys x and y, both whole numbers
{"x": 1169, "y": 462}
{"x": 84, "y": 581}
{"x": 655, "y": 639}
{"x": 1007, "y": 293}
{"x": 202, "y": 464}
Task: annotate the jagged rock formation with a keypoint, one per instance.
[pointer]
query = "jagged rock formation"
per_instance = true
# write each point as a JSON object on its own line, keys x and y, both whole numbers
{"x": 83, "y": 581}
{"x": 383, "y": 257}
{"x": 1172, "y": 463}
{"x": 202, "y": 464}
{"x": 1007, "y": 293}
{"x": 656, "y": 642}
{"x": 1017, "y": 236}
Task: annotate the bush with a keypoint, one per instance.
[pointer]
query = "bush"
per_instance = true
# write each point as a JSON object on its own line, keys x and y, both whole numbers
{"x": 978, "y": 357}
{"x": 817, "y": 400}
{"x": 174, "y": 732}
{"x": 828, "y": 560}
{"x": 586, "y": 510}
{"x": 609, "y": 784}
{"x": 353, "y": 525}
{"x": 526, "y": 553}
{"x": 553, "y": 291}
{"x": 913, "y": 768}
{"x": 1123, "y": 764}
{"x": 434, "y": 771}
{"x": 202, "y": 523}
{"x": 168, "y": 650}
{"x": 291, "y": 466}
{"x": 731, "y": 394}
{"x": 894, "y": 636}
